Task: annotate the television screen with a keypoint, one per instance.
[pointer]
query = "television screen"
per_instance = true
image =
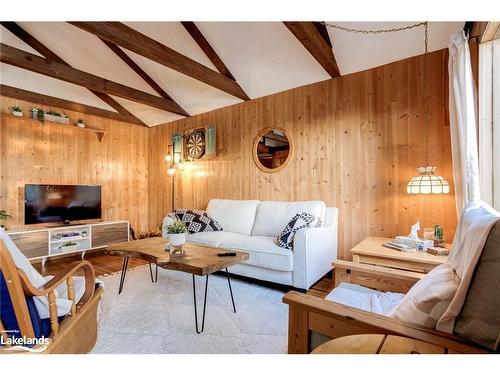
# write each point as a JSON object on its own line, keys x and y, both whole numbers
{"x": 59, "y": 203}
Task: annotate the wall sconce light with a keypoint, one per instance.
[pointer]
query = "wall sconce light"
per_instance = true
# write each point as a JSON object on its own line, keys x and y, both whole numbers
{"x": 171, "y": 171}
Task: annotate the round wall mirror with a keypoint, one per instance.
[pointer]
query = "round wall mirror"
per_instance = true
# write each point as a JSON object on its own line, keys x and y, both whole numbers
{"x": 272, "y": 149}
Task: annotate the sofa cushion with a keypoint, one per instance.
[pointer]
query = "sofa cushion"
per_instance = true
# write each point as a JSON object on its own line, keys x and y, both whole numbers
{"x": 237, "y": 216}
{"x": 264, "y": 252}
{"x": 273, "y": 216}
{"x": 364, "y": 298}
{"x": 212, "y": 239}
{"x": 479, "y": 319}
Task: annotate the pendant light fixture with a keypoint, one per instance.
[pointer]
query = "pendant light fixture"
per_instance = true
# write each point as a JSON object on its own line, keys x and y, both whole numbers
{"x": 427, "y": 182}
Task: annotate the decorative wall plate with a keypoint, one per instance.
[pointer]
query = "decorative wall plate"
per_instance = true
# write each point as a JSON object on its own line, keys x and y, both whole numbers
{"x": 195, "y": 144}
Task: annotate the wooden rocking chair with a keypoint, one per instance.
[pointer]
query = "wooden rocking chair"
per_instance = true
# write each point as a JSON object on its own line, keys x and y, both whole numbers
{"x": 313, "y": 320}
{"x": 73, "y": 333}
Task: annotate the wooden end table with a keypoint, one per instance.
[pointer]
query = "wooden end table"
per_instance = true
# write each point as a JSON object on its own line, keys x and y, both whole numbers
{"x": 377, "y": 344}
{"x": 199, "y": 260}
{"x": 372, "y": 251}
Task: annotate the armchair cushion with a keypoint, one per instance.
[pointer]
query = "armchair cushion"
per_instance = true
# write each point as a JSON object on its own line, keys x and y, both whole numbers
{"x": 8, "y": 317}
{"x": 37, "y": 280}
{"x": 479, "y": 319}
{"x": 429, "y": 298}
{"x": 364, "y": 298}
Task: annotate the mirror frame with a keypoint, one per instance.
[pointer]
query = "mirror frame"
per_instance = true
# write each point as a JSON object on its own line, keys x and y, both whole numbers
{"x": 256, "y": 143}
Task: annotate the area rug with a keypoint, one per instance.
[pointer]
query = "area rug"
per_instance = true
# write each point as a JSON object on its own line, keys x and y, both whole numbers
{"x": 159, "y": 318}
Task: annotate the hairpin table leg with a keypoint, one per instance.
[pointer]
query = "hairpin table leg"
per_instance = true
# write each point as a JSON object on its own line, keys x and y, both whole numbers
{"x": 230, "y": 290}
{"x": 204, "y": 306}
{"x": 124, "y": 273}
{"x": 151, "y": 272}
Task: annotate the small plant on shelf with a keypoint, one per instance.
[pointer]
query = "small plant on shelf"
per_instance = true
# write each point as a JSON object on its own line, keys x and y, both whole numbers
{"x": 16, "y": 110}
{"x": 38, "y": 114}
{"x": 69, "y": 246}
{"x": 4, "y": 216}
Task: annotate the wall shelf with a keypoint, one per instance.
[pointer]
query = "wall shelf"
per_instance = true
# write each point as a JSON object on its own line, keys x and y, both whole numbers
{"x": 99, "y": 133}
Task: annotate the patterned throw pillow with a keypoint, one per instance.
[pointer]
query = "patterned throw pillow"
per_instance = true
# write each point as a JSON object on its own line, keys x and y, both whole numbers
{"x": 299, "y": 221}
{"x": 197, "y": 221}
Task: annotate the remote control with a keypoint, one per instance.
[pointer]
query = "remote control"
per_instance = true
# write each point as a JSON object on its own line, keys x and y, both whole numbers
{"x": 227, "y": 254}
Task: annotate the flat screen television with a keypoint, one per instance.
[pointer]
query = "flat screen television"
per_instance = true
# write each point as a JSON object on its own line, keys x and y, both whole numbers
{"x": 61, "y": 203}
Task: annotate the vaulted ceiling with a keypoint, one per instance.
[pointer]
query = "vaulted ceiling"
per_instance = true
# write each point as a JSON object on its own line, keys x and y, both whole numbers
{"x": 157, "y": 72}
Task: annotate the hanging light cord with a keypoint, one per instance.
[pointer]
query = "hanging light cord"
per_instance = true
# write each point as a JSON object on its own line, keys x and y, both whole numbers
{"x": 380, "y": 31}
{"x": 426, "y": 95}
{"x": 427, "y": 111}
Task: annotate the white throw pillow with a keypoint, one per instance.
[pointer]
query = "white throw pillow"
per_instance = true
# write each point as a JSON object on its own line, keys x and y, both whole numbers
{"x": 429, "y": 298}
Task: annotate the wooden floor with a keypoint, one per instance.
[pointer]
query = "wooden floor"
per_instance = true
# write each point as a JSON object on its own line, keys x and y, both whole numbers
{"x": 106, "y": 265}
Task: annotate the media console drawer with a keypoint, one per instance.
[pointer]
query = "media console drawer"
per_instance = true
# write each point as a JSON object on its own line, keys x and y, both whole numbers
{"x": 32, "y": 244}
{"x": 105, "y": 234}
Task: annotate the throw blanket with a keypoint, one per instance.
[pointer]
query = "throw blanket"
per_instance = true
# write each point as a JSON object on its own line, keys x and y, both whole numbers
{"x": 476, "y": 221}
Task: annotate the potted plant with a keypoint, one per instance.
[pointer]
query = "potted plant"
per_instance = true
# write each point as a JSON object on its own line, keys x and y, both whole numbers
{"x": 69, "y": 246}
{"x": 3, "y": 216}
{"x": 38, "y": 114}
{"x": 80, "y": 123}
{"x": 16, "y": 110}
{"x": 54, "y": 116}
{"x": 176, "y": 233}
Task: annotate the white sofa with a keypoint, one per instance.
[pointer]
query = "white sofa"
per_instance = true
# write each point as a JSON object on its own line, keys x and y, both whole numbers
{"x": 253, "y": 226}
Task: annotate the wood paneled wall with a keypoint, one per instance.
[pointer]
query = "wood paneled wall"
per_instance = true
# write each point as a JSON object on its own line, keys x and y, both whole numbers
{"x": 32, "y": 153}
{"x": 357, "y": 138}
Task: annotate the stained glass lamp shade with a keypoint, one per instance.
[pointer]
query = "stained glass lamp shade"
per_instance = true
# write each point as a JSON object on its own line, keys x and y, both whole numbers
{"x": 427, "y": 182}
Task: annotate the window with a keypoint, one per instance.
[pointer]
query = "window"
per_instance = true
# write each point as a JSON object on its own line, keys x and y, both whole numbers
{"x": 489, "y": 121}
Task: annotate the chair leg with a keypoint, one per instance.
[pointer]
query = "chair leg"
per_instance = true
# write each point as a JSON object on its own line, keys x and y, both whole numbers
{"x": 124, "y": 273}
{"x": 156, "y": 277}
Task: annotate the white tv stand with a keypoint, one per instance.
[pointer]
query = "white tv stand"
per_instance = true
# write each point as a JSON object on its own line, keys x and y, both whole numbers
{"x": 42, "y": 243}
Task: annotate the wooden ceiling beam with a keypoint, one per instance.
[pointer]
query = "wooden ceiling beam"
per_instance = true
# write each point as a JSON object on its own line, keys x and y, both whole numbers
{"x": 136, "y": 68}
{"x": 323, "y": 30}
{"x": 313, "y": 41}
{"x": 25, "y": 60}
{"x": 205, "y": 46}
{"x": 51, "y": 101}
{"x": 484, "y": 31}
{"x": 134, "y": 41}
{"x": 38, "y": 46}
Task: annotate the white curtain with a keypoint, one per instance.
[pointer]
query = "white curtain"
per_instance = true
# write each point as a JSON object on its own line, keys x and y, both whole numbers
{"x": 462, "y": 104}
{"x": 489, "y": 122}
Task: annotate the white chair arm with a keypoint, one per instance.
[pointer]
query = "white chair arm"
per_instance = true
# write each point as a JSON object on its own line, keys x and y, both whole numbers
{"x": 314, "y": 250}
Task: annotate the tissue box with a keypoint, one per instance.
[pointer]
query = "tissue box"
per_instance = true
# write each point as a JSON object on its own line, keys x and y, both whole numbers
{"x": 418, "y": 244}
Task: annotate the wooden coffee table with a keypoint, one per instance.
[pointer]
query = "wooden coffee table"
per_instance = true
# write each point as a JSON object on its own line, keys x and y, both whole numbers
{"x": 199, "y": 260}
